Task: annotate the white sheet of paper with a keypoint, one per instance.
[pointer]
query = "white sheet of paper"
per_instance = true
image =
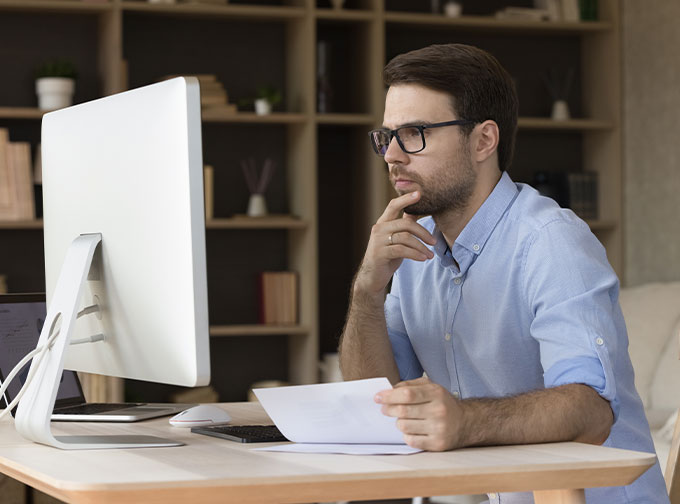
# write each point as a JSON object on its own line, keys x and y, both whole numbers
{"x": 347, "y": 449}
{"x": 343, "y": 412}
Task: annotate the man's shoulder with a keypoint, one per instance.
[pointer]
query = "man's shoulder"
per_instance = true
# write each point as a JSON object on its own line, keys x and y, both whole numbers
{"x": 533, "y": 212}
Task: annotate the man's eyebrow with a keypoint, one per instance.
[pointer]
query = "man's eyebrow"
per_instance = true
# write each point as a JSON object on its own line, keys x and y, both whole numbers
{"x": 409, "y": 123}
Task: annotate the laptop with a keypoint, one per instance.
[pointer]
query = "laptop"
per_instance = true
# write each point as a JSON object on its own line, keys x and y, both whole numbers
{"x": 21, "y": 320}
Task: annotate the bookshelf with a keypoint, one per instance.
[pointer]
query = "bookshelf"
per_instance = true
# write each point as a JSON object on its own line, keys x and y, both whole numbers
{"x": 330, "y": 187}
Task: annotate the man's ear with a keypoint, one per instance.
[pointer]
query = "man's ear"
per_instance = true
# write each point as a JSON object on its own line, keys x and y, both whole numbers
{"x": 486, "y": 140}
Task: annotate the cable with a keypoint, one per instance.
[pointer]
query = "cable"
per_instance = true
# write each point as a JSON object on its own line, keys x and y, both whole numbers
{"x": 40, "y": 352}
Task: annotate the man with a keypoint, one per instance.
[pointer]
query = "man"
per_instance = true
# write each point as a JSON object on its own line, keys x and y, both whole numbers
{"x": 505, "y": 301}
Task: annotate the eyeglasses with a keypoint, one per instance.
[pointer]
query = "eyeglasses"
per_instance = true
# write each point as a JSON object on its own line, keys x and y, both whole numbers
{"x": 410, "y": 138}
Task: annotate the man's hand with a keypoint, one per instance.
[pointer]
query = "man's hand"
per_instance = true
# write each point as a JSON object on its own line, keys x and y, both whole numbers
{"x": 428, "y": 415}
{"x": 393, "y": 239}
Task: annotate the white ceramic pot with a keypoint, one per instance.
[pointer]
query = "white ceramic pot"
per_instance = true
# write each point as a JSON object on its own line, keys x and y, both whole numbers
{"x": 257, "y": 206}
{"x": 262, "y": 106}
{"x": 54, "y": 92}
{"x": 560, "y": 111}
{"x": 453, "y": 9}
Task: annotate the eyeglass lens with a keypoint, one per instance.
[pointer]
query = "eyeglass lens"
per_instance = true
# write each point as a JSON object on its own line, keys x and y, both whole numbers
{"x": 410, "y": 137}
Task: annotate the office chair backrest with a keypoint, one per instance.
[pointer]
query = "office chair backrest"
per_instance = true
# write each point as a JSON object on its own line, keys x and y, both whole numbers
{"x": 673, "y": 467}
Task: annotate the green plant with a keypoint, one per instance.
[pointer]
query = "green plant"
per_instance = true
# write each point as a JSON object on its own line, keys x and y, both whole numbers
{"x": 57, "y": 69}
{"x": 269, "y": 93}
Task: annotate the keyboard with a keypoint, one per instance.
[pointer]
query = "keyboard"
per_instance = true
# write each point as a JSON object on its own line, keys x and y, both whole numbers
{"x": 243, "y": 433}
{"x": 93, "y": 408}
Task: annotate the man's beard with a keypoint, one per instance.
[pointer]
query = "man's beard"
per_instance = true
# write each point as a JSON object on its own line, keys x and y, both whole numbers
{"x": 447, "y": 192}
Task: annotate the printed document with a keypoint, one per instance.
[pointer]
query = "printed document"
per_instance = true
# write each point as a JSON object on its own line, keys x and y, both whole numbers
{"x": 335, "y": 414}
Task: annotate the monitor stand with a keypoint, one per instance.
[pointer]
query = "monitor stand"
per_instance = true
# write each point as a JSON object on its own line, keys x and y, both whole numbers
{"x": 35, "y": 407}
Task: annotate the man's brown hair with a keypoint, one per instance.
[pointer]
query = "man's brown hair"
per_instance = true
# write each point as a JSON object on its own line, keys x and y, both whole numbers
{"x": 480, "y": 88}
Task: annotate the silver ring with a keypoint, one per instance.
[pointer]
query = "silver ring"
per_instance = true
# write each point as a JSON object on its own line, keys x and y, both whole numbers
{"x": 390, "y": 239}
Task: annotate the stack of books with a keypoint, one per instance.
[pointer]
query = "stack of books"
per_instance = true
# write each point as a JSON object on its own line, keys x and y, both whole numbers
{"x": 278, "y": 297}
{"x": 213, "y": 93}
{"x": 17, "y": 200}
{"x": 582, "y": 194}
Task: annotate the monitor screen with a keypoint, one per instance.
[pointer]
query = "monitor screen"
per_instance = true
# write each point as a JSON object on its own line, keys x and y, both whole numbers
{"x": 129, "y": 167}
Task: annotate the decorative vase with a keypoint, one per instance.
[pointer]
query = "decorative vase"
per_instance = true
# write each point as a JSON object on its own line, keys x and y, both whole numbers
{"x": 54, "y": 92}
{"x": 262, "y": 106}
{"x": 560, "y": 111}
{"x": 453, "y": 9}
{"x": 257, "y": 206}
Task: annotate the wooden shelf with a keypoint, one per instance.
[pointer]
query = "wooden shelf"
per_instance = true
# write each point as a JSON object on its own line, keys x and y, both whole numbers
{"x": 601, "y": 225}
{"x": 218, "y": 115}
{"x": 258, "y": 330}
{"x": 341, "y": 15}
{"x": 491, "y": 24}
{"x": 545, "y": 123}
{"x": 251, "y": 12}
{"x": 22, "y": 224}
{"x": 21, "y": 113}
{"x": 269, "y": 222}
{"x": 346, "y": 119}
{"x": 74, "y": 6}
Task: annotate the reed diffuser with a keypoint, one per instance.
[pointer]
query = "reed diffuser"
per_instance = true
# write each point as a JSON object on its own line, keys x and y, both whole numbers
{"x": 257, "y": 182}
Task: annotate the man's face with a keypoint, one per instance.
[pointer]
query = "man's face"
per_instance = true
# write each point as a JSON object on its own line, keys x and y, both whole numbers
{"x": 443, "y": 172}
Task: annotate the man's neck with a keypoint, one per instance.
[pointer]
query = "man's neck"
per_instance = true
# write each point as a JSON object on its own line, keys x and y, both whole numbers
{"x": 452, "y": 223}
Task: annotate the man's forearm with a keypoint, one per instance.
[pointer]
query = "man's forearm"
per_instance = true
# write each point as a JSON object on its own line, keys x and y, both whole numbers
{"x": 365, "y": 349}
{"x": 572, "y": 412}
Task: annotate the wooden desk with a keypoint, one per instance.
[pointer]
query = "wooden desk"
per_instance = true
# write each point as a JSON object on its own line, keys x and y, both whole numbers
{"x": 210, "y": 470}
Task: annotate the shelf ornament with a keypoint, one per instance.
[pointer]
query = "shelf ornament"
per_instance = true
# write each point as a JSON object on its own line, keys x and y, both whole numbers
{"x": 257, "y": 185}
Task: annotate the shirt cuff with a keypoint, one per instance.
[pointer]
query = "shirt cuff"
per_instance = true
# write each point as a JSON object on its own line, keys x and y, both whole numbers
{"x": 587, "y": 371}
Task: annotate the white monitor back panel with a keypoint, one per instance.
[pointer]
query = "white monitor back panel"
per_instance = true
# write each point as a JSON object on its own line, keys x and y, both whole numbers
{"x": 129, "y": 166}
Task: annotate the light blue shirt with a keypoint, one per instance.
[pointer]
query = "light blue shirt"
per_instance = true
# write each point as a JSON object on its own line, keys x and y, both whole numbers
{"x": 532, "y": 305}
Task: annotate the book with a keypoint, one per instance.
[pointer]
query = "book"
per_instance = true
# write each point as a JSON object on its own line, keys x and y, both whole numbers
{"x": 582, "y": 190}
{"x": 209, "y": 190}
{"x": 7, "y": 199}
{"x": 278, "y": 297}
{"x": 570, "y": 10}
{"x": 19, "y": 161}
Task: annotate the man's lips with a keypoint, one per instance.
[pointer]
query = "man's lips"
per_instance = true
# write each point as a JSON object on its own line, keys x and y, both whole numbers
{"x": 402, "y": 183}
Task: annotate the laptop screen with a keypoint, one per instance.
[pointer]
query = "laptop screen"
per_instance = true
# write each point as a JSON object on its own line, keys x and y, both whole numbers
{"x": 21, "y": 320}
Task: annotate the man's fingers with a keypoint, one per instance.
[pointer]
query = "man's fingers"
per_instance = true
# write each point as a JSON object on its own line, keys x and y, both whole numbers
{"x": 418, "y": 381}
{"x": 410, "y": 411}
{"x": 411, "y": 241}
{"x": 404, "y": 395}
{"x": 397, "y": 205}
{"x": 409, "y": 227}
{"x": 412, "y": 427}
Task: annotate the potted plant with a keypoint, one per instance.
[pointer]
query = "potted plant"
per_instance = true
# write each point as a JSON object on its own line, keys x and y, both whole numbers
{"x": 55, "y": 84}
{"x": 267, "y": 97}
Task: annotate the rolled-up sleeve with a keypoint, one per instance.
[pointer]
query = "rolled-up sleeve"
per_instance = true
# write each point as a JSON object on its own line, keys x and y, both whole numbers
{"x": 573, "y": 298}
{"x": 407, "y": 361}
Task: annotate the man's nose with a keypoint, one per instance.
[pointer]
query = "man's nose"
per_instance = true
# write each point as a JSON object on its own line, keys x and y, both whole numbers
{"x": 394, "y": 153}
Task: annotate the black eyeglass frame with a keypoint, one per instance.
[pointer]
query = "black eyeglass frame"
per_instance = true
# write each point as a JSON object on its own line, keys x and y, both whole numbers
{"x": 420, "y": 127}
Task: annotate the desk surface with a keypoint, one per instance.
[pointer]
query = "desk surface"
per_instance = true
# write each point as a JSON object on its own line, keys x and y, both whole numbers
{"x": 211, "y": 470}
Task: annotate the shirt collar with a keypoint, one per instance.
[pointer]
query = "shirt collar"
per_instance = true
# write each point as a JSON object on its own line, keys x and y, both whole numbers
{"x": 472, "y": 239}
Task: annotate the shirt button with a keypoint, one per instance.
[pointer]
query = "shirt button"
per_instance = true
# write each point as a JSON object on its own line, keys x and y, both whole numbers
{"x": 599, "y": 341}
{"x": 447, "y": 337}
{"x": 492, "y": 496}
{"x": 456, "y": 394}
{"x": 457, "y": 281}
{"x": 475, "y": 247}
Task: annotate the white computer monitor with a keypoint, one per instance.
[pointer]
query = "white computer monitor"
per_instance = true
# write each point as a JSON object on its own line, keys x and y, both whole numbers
{"x": 123, "y": 177}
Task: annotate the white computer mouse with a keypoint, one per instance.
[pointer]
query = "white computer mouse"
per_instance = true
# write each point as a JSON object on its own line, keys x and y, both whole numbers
{"x": 203, "y": 414}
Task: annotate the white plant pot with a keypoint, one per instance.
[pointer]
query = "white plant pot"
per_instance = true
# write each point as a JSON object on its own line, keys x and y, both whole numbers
{"x": 262, "y": 106}
{"x": 560, "y": 111}
{"x": 453, "y": 9}
{"x": 257, "y": 206}
{"x": 54, "y": 92}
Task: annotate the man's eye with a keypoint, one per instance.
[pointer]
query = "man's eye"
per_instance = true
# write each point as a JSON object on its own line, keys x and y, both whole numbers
{"x": 409, "y": 132}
